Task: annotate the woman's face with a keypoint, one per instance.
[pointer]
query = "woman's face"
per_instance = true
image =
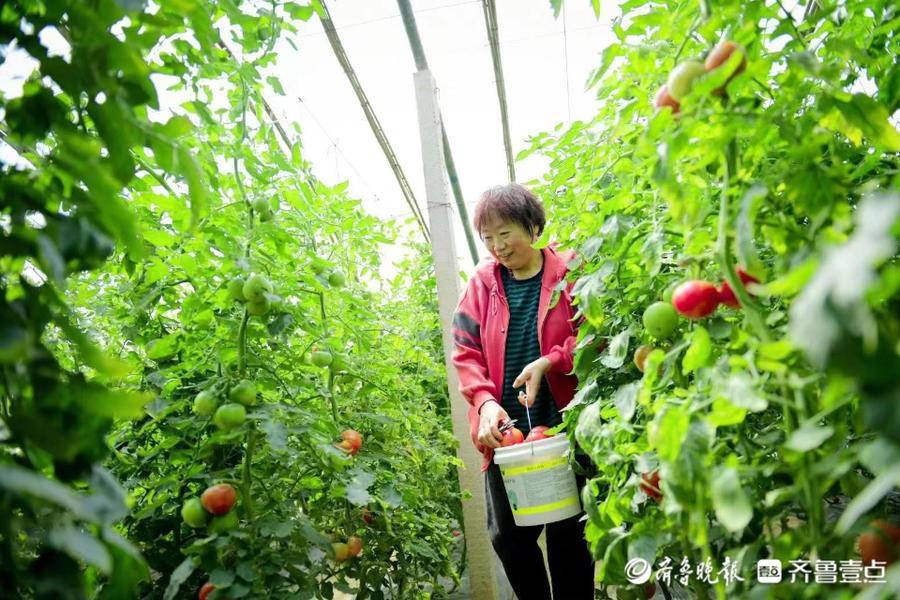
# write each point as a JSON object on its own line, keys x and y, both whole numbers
{"x": 509, "y": 243}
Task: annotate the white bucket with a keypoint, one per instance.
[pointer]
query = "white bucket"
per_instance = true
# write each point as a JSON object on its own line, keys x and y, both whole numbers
{"x": 540, "y": 484}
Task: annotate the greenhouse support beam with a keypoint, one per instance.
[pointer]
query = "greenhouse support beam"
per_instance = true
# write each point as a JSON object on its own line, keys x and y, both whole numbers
{"x": 482, "y": 564}
{"x": 335, "y": 41}
{"x": 490, "y": 21}
{"x": 415, "y": 43}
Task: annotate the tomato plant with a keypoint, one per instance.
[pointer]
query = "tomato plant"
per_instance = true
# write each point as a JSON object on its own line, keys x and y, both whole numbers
{"x": 771, "y": 426}
{"x": 193, "y": 248}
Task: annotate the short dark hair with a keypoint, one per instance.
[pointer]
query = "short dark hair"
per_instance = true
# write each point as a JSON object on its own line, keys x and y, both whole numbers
{"x": 511, "y": 202}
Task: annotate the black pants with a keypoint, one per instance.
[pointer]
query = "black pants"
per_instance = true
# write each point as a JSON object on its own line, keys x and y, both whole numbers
{"x": 570, "y": 562}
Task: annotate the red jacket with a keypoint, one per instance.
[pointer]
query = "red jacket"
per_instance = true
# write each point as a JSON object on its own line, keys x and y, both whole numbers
{"x": 479, "y": 331}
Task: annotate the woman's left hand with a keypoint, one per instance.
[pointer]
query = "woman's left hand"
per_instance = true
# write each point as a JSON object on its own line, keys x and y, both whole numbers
{"x": 531, "y": 377}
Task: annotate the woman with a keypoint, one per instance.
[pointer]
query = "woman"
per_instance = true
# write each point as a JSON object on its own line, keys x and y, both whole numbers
{"x": 513, "y": 327}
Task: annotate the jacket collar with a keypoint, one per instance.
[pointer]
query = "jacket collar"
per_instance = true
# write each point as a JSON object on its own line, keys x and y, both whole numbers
{"x": 555, "y": 261}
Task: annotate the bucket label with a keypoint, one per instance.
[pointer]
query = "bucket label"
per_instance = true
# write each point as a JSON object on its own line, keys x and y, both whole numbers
{"x": 540, "y": 487}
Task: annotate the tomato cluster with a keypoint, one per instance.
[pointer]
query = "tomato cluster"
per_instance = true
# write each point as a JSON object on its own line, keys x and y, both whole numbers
{"x": 231, "y": 414}
{"x": 697, "y": 299}
{"x": 514, "y": 435}
{"x": 255, "y": 292}
{"x": 349, "y": 549}
{"x": 681, "y": 79}
{"x": 217, "y": 500}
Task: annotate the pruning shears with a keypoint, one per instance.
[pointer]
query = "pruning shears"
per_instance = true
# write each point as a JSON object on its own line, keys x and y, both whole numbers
{"x": 507, "y": 425}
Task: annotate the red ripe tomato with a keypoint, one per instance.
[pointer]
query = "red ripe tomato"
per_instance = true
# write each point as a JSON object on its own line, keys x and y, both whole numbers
{"x": 881, "y": 543}
{"x": 889, "y": 529}
{"x": 726, "y": 294}
{"x": 511, "y": 437}
{"x": 368, "y": 517}
{"x": 347, "y": 447}
{"x": 218, "y": 499}
{"x": 649, "y": 589}
{"x": 206, "y": 590}
{"x": 695, "y": 299}
{"x": 720, "y": 55}
{"x": 354, "y": 545}
{"x": 650, "y": 485}
{"x": 354, "y": 437}
{"x": 537, "y": 433}
{"x": 664, "y": 99}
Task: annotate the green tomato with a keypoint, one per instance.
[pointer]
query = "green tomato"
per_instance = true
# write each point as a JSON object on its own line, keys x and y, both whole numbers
{"x": 261, "y": 205}
{"x": 226, "y": 522}
{"x": 660, "y": 319}
{"x": 205, "y": 403}
{"x": 339, "y": 361}
{"x": 336, "y": 279}
{"x": 682, "y": 77}
{"x": 667, "y": 294}
{"x": 231, "y": 415}
{"x": 236, "y": 288}
{"x": 259, "y": 309}
{"x": 321, "y": 358}
{"x": 256, "y": 287}
{"x": 243, "y": 393}
{"x": 193, "y": 513}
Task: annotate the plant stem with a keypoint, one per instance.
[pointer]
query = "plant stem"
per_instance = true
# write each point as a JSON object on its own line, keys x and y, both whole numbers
{"x": 245, "y": 485}
{"x": 331, "y": 397}
{"x": 751, "y": 308}
{"x": 242, "y": 344}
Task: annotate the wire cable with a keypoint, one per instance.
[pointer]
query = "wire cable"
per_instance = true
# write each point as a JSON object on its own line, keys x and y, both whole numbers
{"x": 566, "y": 54}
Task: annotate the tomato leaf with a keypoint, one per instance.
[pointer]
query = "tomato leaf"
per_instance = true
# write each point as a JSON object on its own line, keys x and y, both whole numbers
{"x": 730, "y": 501}
{"x": 698, "y": 353}
{"x": 833, "y": 304}
{"x": 625, "y": 399}
{"x": 667, "y": 432}
{"x": 615, "y": 354}
{"x": 80, "y": 546}
{"x": 808, "y": 437}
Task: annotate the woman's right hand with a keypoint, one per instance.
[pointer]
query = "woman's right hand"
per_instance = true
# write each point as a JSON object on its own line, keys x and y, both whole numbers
{"x": 492, "y": 415}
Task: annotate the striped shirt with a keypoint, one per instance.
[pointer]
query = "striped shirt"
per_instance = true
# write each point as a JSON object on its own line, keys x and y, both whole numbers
{"x": 522, "y": 347}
